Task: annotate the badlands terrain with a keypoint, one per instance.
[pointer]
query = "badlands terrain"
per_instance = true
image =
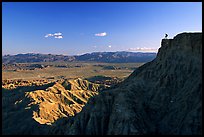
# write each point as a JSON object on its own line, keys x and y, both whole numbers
{"x": 36, "y": 94}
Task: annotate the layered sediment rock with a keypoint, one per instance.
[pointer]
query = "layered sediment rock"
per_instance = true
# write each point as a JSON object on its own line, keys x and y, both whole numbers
{"x": 26, "y": 109}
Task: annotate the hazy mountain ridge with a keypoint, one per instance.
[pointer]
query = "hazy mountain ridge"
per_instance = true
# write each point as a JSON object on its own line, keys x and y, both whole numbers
{"x": 163, "y": 96}
{"x": 117, "y": 57}
{"x": 113, "y": 57}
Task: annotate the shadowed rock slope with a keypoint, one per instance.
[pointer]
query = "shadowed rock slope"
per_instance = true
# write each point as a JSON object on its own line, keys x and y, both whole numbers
{"x": 28, "y": 110}
{"x": 163, "y": 96}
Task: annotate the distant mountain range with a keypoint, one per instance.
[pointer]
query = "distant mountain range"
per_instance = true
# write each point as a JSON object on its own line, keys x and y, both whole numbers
{"x": 108, "y": 57}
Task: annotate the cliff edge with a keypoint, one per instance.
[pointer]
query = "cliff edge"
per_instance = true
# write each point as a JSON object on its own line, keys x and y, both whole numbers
{"x": 163, "y": 96}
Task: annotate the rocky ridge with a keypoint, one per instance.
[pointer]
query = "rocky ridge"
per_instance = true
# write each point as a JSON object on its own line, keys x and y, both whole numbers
{"x": 163, "y": 96}
{"x": 30, "y": 107}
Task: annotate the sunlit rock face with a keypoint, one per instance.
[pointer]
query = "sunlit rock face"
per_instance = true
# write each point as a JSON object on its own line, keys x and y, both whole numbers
{"x": 163, "y": 96}
{"x": 30, "y": 109}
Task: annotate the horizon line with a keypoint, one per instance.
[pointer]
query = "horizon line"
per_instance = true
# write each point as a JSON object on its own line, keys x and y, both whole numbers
{"x": 79, "y": 54}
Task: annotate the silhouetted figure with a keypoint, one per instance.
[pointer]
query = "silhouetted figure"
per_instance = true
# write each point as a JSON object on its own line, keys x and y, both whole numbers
{"x": 166, "y": 35}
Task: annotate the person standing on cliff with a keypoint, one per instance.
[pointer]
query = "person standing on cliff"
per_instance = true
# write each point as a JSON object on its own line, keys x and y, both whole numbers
{"x": 166, "y": 35}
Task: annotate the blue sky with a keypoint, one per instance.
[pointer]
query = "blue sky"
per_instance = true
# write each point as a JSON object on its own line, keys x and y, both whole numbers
{"x": 85, "y": 27}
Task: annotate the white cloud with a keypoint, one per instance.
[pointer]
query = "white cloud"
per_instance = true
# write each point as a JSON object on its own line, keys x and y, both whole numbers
{"x": 101, "y": 34}
{"x": 143, "y": 49}
{"x": 57, "y": 35}
{"x": 109, "y": 46}
{"x": 48, "y": 35}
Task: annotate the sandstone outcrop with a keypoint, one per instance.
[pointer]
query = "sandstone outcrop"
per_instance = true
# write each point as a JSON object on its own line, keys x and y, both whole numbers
{"x": 26, "y": 109}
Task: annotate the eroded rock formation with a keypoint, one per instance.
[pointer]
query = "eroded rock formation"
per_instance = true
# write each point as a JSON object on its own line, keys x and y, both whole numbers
{"x": 26, "y": 108}
{"x": 163, "y": 96}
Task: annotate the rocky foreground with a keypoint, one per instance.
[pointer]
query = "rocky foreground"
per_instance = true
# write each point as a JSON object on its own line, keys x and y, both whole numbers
{"x": 30, "y": 108}
{"x": 163, "y": 96}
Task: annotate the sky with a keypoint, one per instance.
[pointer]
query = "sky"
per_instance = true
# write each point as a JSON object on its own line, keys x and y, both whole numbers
{"x": 74, "y": 28}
